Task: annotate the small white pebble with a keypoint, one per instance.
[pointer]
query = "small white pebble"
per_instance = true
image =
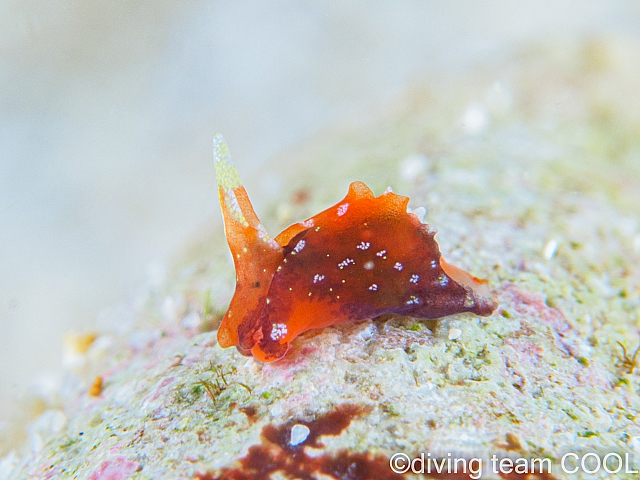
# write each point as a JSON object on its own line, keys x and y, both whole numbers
{"x": 192, "y": 320}
{"x": 36, "y": 443}
{"x": 299, "y": 434}
{"x": 419, "y": 212}
{"x": 7, "y": 464}
{"x": 276, "y": 411}
{"x": 550, "y": 249}
{"x": 51, "y": 421}
{"x": 171, "y": 307}
{"x": 454, "y": 333}
{"x": 475, "y": 118}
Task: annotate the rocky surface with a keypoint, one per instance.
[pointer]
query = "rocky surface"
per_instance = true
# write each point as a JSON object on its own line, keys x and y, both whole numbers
{"x": 530, "y": 170}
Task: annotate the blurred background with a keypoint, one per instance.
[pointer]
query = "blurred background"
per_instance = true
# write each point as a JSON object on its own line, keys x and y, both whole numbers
{"x": 107, "y": 110}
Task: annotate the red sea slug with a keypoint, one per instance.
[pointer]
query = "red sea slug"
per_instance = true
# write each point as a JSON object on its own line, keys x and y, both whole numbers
{"x": 363, "y": 257}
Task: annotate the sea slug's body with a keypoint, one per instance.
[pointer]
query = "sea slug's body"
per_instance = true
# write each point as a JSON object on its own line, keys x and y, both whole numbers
{"x": 361, "y": 258}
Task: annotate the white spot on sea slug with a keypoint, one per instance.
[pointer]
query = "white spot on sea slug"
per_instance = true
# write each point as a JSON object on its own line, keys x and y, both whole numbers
{"x": 434, "y": 264}
{"x": 264, "y": 236}
{"x": 234, "y": 207}
{"x": 342, "y": 209}
{"x": 299, "y": 434}
{"x": 550, "y": 249}
{"x": 373, "y": 287}
{"x": 443, "y": 281}
{"x": 454, "y": 333}
{"x": 307, "y": 223}
{"x": 363, "y": 245}
{"x": 318, "y": 278}
{"x": 299, "y": 246}
{"x": 346, "y": 263}
{"x": 414, "y": 278}
{"x": 278, "y": 331}
{"x": 469, "y": 301}
{"x": 381, "y": 253}
{"x": 369, "y": 265}
{"x": 413, "y": 300}
{"x": 398, "y": 266}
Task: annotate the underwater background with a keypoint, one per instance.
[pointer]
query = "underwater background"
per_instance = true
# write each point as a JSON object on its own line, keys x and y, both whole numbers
{"x": 107, "y": 114}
